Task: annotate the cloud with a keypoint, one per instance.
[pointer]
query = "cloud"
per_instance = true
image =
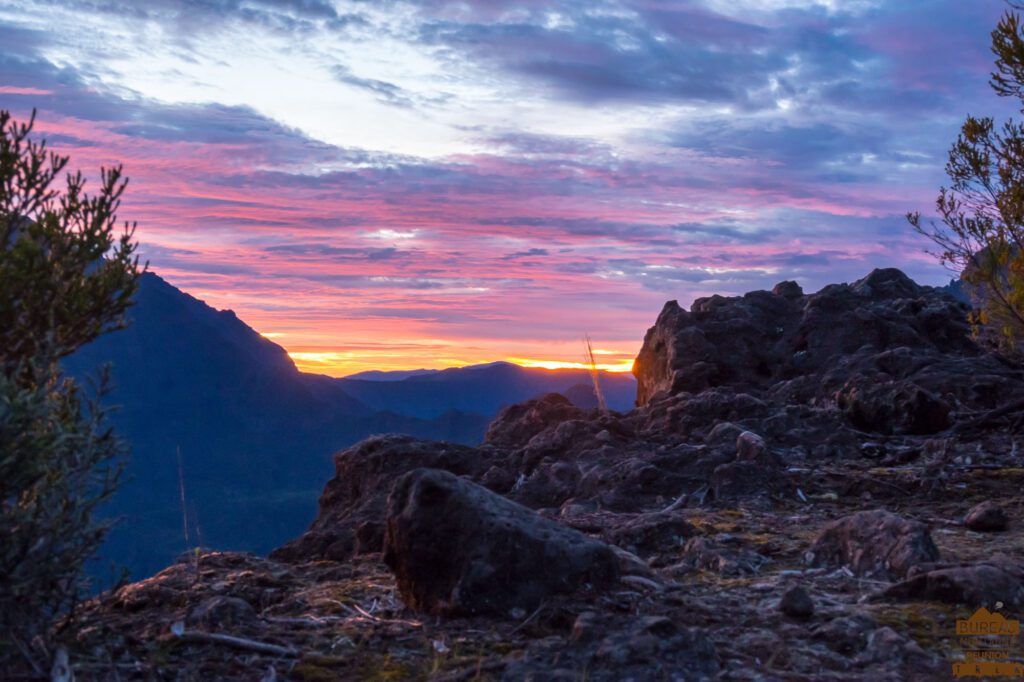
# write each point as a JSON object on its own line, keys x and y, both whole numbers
{"x": 339, "y": 254}
{"x": 586, "y": 161}
{"x": 529, "y": 253}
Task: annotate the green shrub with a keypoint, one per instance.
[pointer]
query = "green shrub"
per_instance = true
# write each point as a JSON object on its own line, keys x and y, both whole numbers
{"x": 981, "y": 233}
{"x": 65, "y": 278}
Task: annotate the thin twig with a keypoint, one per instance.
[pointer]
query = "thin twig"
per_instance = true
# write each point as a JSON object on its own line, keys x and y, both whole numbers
{"x": 314, "y": 621}
{"x": 679, "y": 503}
{"x": 238, "y": 643}
{"x": 527, "y": 621}
{"x": 642, "y": 581}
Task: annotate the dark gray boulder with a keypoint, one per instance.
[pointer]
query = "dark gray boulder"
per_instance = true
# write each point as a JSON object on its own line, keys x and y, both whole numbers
{"x": 456, "y": 548}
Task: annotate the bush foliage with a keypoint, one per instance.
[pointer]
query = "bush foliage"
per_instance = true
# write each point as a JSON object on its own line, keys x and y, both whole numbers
{"x": 67, "y": 274}
{"x": 982, "y": 211}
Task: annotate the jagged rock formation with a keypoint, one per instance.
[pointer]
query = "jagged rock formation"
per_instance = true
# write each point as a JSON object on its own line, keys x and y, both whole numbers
{"x": 786, "y": 501}
{"x": 892, "y": 355}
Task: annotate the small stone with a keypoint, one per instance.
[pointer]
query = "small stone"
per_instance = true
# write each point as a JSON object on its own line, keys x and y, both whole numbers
{"x": 749, "y": 447}
{"x": 585, "y": 627}
{"x": 221, "y": 612}
{"x": 986, "y": 517}
{"x": 604, "y": 436}
{"x": 796, "y": 603}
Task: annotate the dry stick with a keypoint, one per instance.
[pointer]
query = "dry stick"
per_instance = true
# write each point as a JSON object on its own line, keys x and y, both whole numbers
{"x": 527, "y": 621}
{"x": 312, "y": 621}
{"x": 238, "y": 643}
{"x": 679, "y": 503}
{"x": 594, "y": 376}
{"x": 642, "y": 581}
{"x": 184, "y": 508}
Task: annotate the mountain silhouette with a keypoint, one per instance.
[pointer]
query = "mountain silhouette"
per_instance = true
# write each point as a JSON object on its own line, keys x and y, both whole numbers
{"x": 485, "y": 389}
{"x": 255, "y": 435}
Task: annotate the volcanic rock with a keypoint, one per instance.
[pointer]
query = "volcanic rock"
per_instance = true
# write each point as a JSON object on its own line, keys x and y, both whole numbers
{"x": 986, "y": 517}
{"x": 796, "y": 603}
{"x": 892, "y": 407}
{"x": 678, "y": 650}
{"x": 749, "y": 447}
{"x": 517, "y": 424}
{"x": 457, "y": 548}
{"x": 846, "y": 635}
{"x": 893, "y": 356}
{"x": 987, "y": 583}
{"x": 875, "y": 543}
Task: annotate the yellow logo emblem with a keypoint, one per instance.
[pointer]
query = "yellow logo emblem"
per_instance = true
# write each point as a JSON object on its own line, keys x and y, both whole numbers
{"x": 988, "y": 640}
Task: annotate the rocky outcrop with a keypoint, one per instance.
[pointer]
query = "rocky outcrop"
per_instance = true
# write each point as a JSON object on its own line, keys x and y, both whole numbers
{"x": 772, "y": 428}
{"x": 456, "y": 548}
{"x": 893, "y": 356}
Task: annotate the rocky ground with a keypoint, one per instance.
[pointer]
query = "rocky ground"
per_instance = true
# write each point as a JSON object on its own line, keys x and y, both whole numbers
{"x": 796, "y": 497}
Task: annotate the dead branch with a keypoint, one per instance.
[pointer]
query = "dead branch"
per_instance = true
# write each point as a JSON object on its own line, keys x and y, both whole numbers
{"x": 238, "y": 643}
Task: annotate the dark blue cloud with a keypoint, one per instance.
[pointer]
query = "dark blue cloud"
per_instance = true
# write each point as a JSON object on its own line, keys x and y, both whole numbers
{"x": 529, "y": 253}
{"x": 337, "y": 253}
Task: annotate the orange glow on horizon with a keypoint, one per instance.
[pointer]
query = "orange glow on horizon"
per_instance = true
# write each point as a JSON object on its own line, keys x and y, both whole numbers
{"x": 339, "y": 363}
{"x": 619, "y": 366}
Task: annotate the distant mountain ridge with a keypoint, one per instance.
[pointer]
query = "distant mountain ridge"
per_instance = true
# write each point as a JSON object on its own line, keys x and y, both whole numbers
{"x": 256, "y": 435}
{"x": 389, "y": 375}
{"x": 486, "y": 389}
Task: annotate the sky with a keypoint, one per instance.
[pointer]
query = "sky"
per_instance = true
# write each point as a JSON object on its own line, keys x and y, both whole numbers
{"x": 393, "y": 185}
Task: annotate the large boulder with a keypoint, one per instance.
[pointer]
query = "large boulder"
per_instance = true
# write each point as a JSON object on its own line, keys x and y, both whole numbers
{"x": 876, "y": 544}
{"x": 456, "y": 548}
{"x": 351, "y": 516}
